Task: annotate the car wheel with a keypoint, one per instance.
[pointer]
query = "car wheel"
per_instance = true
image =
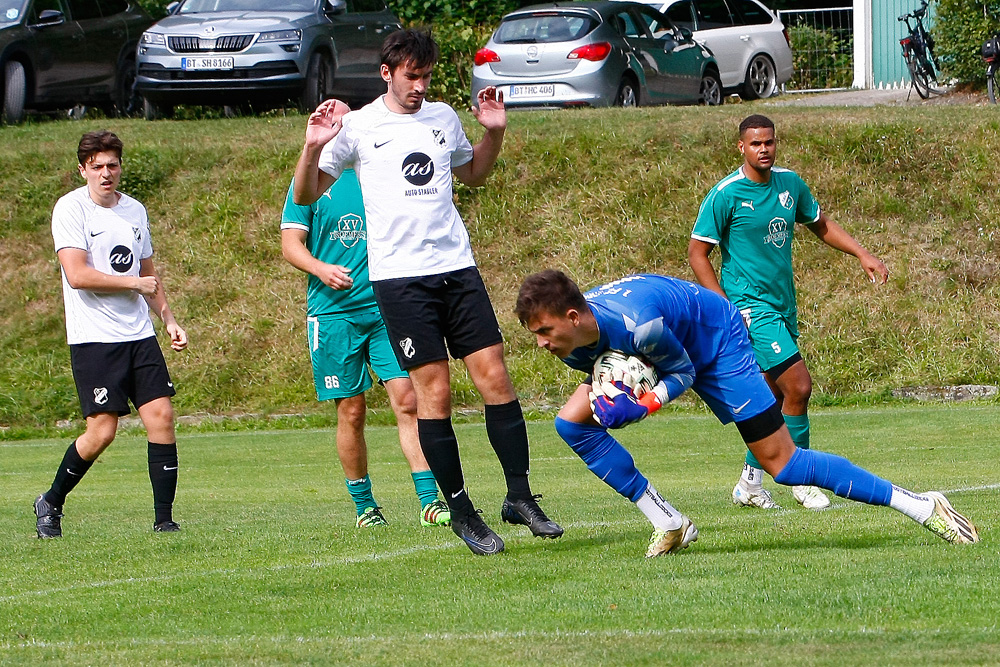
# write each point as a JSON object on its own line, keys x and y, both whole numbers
{"x": 154, "y": 111}
{"x": 761, "y": 79}
{"x": 628, "y": 94}
{"x": 14, "y": 92}
{"x": 126, "y": 101}
{"x": 711, "y": 89}
{"x": 318, "y": 78}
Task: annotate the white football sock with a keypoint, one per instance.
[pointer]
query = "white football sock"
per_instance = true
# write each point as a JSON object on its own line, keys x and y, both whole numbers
{"x": 660, "y": 513}
{"x": 917, "y": 507}
{"x": 752, "y": 478}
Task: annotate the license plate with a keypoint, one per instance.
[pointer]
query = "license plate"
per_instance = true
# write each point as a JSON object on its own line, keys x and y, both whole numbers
{"x": 206, "y": 63}
{"x": 535, "y": 90}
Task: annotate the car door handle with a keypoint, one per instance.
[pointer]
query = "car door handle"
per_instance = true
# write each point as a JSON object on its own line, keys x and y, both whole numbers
{"x": 745, "y": 38}
{"x": 361, "y": 28}
{"x": 382, "y": 29}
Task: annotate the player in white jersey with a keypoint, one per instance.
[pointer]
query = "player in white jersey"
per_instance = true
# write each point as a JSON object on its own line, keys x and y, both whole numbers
{"x": 432, "y": 298}
{"x": 109, "y": 285}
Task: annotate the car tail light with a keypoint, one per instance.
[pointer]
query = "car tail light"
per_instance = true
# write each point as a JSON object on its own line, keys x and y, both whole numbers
{"x": 485, "y": 55}
{"x": 593, "y": 52}
{"x": 784, "y": 31}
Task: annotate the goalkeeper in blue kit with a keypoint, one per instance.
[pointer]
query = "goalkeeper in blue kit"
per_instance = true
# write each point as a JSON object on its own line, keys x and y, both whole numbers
{"x": 695, "y": 339}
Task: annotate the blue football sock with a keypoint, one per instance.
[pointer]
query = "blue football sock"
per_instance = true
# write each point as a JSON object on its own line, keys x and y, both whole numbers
{"x": 834, "y": 473}
{"x": 605, "y": 457}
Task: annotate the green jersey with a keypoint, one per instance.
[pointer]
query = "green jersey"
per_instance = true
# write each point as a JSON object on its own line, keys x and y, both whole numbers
{"x": 753, "y": 223}
{"x": 336, "y": 234}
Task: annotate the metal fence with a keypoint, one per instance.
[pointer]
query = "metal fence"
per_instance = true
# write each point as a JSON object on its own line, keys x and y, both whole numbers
{"x": 822, "y": 48}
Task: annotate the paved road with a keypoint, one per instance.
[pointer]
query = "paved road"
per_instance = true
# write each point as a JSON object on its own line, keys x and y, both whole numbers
{"x": 857, "y": 97}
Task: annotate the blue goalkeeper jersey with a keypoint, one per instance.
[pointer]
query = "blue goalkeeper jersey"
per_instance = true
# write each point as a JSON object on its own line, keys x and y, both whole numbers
{"x": 679, "y": 327}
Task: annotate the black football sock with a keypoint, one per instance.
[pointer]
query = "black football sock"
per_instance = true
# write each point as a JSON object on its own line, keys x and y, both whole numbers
{"x": 440, "y": 447}
{"x": 509, "y": 436}
{"x": 163, "y": 476}
{"x": 71, "y": 471}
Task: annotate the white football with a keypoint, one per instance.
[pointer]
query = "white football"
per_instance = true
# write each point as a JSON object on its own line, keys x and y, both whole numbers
{"x": 614, "y": 364}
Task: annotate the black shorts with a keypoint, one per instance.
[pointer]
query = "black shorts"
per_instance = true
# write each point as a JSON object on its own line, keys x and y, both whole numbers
{"x": 108, "y": 375}
{"x": 425, "y": 313}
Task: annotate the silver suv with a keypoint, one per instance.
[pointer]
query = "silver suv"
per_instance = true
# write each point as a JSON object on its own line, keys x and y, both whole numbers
{"x": 263, "y": 53}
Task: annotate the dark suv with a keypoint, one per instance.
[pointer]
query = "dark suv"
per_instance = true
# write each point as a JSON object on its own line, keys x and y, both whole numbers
{"x": 56, "y": 54}
{"x": 264, "y": 53}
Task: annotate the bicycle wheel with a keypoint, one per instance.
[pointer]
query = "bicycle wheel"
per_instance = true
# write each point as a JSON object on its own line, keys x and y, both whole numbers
{"x": 919, "y": 76}
{"x": 991, "y": 84}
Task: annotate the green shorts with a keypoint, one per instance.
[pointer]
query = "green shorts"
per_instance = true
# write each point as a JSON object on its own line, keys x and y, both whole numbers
{"x": 772, "y": 335}
{"x": 343, "y": 349}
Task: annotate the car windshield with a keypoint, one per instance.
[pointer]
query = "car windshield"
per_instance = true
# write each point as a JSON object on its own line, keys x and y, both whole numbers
{"x": 543, "y": 28}
{"x": 10, "y": 11}
{"x": 201, "y": 6}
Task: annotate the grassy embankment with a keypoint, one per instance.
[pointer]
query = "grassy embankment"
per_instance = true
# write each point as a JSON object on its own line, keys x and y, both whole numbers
{"x": 598, "y": 193}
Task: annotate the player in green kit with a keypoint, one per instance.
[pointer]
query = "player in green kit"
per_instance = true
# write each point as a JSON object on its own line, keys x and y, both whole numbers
{"x": 751, "y": 215}
{"x": 328, "y": 240}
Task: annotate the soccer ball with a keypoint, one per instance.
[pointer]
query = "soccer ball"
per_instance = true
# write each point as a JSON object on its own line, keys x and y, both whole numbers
{"x": 614, "y": 363}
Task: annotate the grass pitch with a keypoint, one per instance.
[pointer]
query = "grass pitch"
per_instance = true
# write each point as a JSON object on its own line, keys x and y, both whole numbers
{"x": 269, "y": 568}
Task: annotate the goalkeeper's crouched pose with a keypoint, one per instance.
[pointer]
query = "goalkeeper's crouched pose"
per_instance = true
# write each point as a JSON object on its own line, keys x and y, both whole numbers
{"x": 694, "y": 339}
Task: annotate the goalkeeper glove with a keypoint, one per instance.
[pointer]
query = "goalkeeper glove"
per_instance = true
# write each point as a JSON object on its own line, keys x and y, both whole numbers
{"x": 618, "y": 408}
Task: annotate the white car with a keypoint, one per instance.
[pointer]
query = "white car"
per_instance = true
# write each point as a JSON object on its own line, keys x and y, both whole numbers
{"x": 748, "y": 40}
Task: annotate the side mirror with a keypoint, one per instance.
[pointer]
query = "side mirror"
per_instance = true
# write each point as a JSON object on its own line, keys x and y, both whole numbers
{"x": 50, "y": 17}
{"x": 172, "y": 8}
{"x": 336, "y": 7}
{"x": 686, "y": 34}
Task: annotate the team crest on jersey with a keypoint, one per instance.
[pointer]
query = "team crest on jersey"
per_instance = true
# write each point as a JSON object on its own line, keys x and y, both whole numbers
{"x": 137, "y": 233}
{"x": 787, "y": 200}
{"x": 440, "y": 137}
{"x": 777, "y": 232}
{"x": 350, "y": 230}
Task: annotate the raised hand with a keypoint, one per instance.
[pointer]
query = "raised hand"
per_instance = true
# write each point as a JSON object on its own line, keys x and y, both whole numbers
{"x": 325, "y": 122}
{"x": 489, "y": 109}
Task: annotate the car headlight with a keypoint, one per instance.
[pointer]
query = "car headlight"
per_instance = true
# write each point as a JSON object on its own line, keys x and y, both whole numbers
{"x": 281, "y": 36}
{"x": 153, "y": 38}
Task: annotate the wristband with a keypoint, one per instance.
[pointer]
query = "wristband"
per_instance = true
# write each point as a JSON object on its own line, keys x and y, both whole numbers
{"x": 650, "y": 402}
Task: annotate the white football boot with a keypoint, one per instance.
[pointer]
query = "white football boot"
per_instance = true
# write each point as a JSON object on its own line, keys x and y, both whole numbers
{"x": 758, "y": 497}
{"x": 810, "y": 497}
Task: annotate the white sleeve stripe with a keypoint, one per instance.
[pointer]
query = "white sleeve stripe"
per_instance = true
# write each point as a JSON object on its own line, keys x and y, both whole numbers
{"x": 294, "y": 225}
{"x": 705, "y": 239}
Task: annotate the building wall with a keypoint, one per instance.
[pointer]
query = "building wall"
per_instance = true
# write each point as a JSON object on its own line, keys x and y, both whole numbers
{"x": 878, "y": 61}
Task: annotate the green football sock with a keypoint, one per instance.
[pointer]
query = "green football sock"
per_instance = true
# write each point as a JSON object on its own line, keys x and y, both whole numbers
{"x": 752, "y": 461}
{"x": 798, "y": 426}
{"x": 425, "y": 486}
{"x": 361, "y": 493}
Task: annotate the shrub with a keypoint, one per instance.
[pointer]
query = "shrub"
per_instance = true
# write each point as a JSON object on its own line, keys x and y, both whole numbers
{"x": 820, "y": 59}
{"x": 959, "y": 30}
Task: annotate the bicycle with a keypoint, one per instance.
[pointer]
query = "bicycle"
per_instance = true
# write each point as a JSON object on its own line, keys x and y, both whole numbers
{"x": 918, "y": 52}
{"x": 991, "y": 54}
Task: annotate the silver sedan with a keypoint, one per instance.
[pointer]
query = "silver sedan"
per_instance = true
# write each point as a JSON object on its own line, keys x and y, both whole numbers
{"x": 595, "y": 54}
